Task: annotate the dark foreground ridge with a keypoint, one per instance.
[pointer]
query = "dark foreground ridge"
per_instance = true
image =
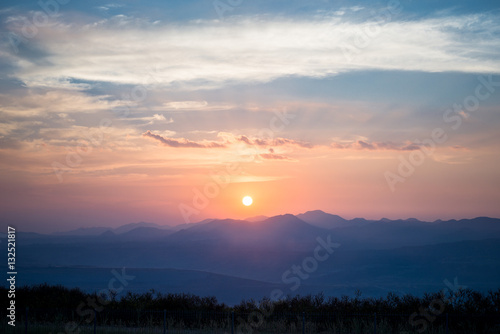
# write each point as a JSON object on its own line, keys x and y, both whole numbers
{"x": 461, "y": 311}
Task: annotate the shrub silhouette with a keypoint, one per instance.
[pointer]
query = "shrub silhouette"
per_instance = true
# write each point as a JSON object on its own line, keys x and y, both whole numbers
{"x": 469, "y": 310}
{"x": 465, "y": 301}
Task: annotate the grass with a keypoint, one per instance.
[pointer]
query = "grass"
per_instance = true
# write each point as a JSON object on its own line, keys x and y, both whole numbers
{"x": 349, "y": 326}
{"x": 278, "y": 324}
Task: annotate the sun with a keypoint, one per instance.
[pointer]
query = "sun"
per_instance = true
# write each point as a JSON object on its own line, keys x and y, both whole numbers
{"x": 247, "y": 200}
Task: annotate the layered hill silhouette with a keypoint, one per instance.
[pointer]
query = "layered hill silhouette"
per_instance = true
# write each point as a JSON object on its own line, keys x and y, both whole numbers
{"x": 374, "y": 256}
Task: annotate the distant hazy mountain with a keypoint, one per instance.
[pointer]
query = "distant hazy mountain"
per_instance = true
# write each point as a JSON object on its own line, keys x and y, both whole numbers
{"x": 144, "y": 233}
{"x": 329, "y": 221}
{"x": 129, "y": 227}
{"x": 375, "y": 256}
{"x": 323, "y": 219}
{"x": 86, "y": 231}
{"x": 278, "y": 230}
{"x": 189, "y": 225}
{"x": 299, "y": 231}
{"x": 399, "y": 233}
{"x": 257, "y": 218}
{"x": 227, "y": 289}
{"x": 94, "y": 231}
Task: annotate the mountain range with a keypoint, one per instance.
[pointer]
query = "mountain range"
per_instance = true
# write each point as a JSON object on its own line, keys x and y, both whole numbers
{"x": 255, "y": 255}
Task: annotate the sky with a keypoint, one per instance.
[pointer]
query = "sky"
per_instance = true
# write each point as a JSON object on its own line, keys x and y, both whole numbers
{"x": 172, "y": 111}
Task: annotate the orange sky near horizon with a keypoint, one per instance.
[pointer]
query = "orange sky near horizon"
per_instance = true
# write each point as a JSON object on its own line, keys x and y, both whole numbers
{"x": 334, "y": 182}
{"x": 109, "y": 116}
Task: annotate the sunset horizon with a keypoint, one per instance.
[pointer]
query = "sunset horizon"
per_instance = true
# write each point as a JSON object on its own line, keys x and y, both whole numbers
{"x": 362, "y": 120}
{"x": 249, "y": 218}
{"x": 321, "y": 156}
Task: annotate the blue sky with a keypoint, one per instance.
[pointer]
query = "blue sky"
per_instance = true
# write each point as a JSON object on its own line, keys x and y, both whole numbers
{"x": 186, "y": 87}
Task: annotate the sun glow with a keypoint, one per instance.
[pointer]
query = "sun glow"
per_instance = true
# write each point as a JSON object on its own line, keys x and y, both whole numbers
{"x": 247, "y": 200}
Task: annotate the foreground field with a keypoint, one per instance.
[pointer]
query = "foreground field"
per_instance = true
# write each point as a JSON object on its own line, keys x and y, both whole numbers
{"x": 55, "y": 309}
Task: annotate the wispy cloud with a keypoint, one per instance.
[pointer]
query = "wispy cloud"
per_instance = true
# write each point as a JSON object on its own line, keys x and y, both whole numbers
{"x": 228, "y": 139}
{"x": 259, "y": 144}
{"x": 253, "y": 49}
{"x": 271, "y": 142}
{"x": 109, "y": 6}
{"x": 34, "y": 103}
{"x": 190, "y": 105}
{"x": 371, "y": 146}
{"x": 193, "y": 105}
{"x": 149, "y": 120}
{"x": 182, "y": 142}
{"x": 273, "y": 156}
